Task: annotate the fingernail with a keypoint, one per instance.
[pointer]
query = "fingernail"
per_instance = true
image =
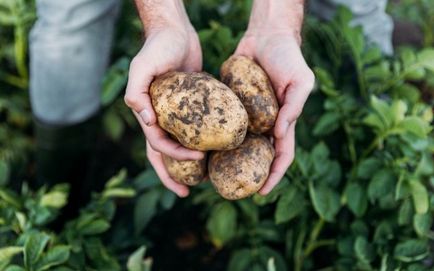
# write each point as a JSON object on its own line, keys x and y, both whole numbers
{"x": 146, "y": 117}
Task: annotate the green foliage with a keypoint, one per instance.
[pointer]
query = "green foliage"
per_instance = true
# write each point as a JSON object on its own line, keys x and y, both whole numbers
{"x": 28, "y": 243}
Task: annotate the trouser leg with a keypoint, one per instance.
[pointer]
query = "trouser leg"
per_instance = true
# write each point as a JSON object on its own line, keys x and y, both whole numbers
{"x": 370, "y": 14}
{"x": 69, "y": 52}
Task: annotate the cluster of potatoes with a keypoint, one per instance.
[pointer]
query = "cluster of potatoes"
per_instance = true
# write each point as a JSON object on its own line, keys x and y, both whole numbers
{"x": 225, "y": 119}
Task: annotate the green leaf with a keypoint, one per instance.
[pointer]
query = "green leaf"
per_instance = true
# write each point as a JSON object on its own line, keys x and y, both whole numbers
{"x": 145, "y": 209}
{"x": 54, "y": 199}
{"x": 378, "y": 71}
{"x": 325, "y": 201}
{"x": 113, "y": 125}
{"x": 114, "y": 81}
{"x": 94, "y": 227}
{"x": 375, "y": 122}
{"x": 415, "y": 126}
{"x": 405, "y": 213}
{"x": 271, "y": 266}
{"x": 383, "y": 233}
{"x": 222, "y": 223}
{"x": 363, "y": 250}
{"x": 366, "y": 167}
{"x": 146, "y": 179}
{"x": 373, "y": 54}
{"x": 33, "y": 248}
{"x": 327, "y": 124}
{"x": 320, "y": 152}
{"x": 249, "y": 210}
{"x": 117, "y": 180}
{"x": 15, "y": 268}
{"x": 357, "y": 200}
{"x": 422, "y": 224}
{"x": 167, "y": 199}
{"x": 55, "y": 256}
{"x": 398, "y": 110}
{"x": 411, "y": 250}
{"x": 10, "y": 198}
{"x": 426, "y": 58}
{"x": 383, "y": 110}
{"x": 240, "y": 260}
{"x": 407, "y": 92}
{"x": 7, "y": 253}
{"x": 420, "y": 197}
{"x": 4, "y": 173}
{"x": 135, "y": 261}
{"x": 267, "y": 253}
{"x": 268, "y": 231}
{"x": 118, "y": 193}
{"x": 381, "y": 184}
{"x": 323, "y": 77}
{"x": 291, "y": 203}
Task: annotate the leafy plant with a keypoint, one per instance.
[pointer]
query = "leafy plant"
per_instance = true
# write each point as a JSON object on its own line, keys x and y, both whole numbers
{"x": 28, "y": 243}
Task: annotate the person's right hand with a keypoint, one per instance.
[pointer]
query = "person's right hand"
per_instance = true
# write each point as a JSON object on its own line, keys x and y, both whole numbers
{"x": 166, "y": 49}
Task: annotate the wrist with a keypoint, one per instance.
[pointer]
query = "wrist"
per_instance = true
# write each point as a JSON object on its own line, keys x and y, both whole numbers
{"x": 158, "y": 15}
{"x": 277, "y": 17}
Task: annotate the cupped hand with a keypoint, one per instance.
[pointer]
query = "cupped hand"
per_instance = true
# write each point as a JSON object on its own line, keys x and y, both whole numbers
{"x": 278, "y": 53}
{"x": 166, "y": 49}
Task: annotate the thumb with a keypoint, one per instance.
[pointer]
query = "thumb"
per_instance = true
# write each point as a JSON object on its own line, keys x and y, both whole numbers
{"x": 137, "y": 92}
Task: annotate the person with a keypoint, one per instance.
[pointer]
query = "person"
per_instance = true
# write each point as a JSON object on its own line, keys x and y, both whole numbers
{"x": 69, "y": 52}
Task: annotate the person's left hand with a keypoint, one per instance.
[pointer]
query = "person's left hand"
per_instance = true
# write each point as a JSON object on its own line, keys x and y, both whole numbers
{"x": 278, "y": 53}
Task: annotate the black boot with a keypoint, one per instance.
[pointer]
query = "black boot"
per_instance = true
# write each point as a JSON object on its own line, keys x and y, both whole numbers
{"x": 65, "y": 154}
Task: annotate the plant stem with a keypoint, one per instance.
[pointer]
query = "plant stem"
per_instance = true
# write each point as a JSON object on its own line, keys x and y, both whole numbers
{"x": 351, "y": 146}
{"x": 314, "y": 236}
{"x": 317, "y": 244}
{"x": 298, "y": 254}
{"x": 372, "y": 146}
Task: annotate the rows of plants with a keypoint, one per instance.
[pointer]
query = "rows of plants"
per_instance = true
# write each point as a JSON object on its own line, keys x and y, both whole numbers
{"x": 359, "y": 195}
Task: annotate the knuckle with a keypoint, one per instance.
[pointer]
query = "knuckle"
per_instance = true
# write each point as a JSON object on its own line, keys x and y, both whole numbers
{"x": 130, "y": 100}
{"x": 309, "y": 80}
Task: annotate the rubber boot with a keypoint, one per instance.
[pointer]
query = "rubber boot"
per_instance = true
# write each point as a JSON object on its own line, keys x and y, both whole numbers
{"x": 65, "y": 154}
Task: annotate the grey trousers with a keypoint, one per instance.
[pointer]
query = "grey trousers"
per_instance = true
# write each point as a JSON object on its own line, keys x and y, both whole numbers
{"x": 70, "y": 47}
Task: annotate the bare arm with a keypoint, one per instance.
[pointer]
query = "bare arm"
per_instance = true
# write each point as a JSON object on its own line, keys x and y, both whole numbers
{"x": 283, "y": 15}
{"x": 156, "y": 15}
{"x": 273, "y": 40}
{"x": 171, "y": 44}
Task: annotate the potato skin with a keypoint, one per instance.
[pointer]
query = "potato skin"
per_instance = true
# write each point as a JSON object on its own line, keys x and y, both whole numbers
{"x": 241, "y": 172}
{"x": 252, "y": 85}
{"x": 199, "y": 111}
{"x": 185, "y": 172}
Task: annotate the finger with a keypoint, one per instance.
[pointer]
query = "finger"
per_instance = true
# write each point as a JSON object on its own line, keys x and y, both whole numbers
{"x": 161, "y": 142}
{"x": 294, "y": 100}
{"x": 136, "y": 95}
{"x": 157, "y": 162}
{"x": 284, "y": 156}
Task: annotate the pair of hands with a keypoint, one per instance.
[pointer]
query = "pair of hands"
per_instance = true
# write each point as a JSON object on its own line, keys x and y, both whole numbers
{"x": 176, "y": 48}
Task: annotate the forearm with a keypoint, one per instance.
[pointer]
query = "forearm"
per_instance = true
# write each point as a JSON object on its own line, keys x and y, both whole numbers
{"x": 282, "y": 15}
{"x": 156, "y": 14}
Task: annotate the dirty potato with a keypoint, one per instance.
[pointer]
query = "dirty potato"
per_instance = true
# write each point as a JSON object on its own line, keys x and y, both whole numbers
{"x": 185, "y": 172}
{"x": 199, "y": 111}
{"x": 252, "y": 85}
{"x": 241, "y": 172}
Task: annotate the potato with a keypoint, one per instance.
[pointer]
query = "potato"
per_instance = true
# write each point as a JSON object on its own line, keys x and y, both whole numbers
{"x": 199, "y": 111}
{"x": 241, "y": 172}
{"x": 252, "y": 85}
{"x": 185, "y": 172}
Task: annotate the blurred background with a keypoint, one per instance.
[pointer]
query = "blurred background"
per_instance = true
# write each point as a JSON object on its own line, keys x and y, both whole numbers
{"x": 359, "y": 195}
